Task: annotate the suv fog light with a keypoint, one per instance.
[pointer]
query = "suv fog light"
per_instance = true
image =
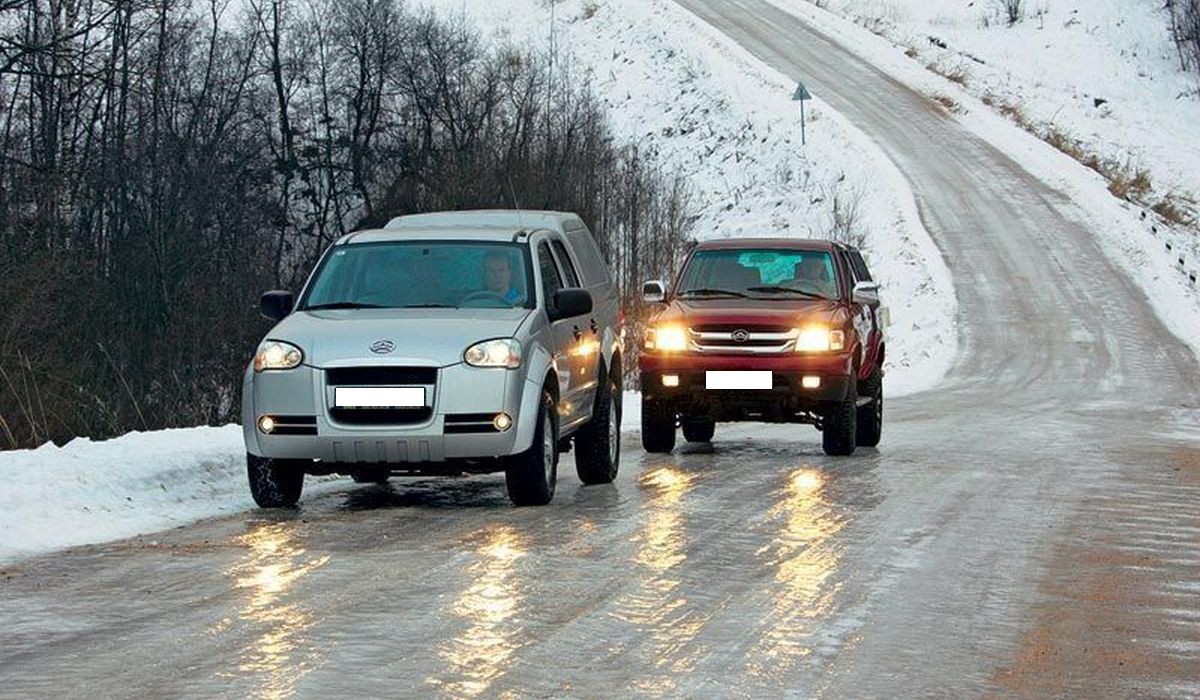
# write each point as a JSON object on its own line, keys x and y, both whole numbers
{"x": 811, "y": 382}
{"x": 670, "y": 380}
{"x": 266, "y": 424}
{"x": 502, "y": 422}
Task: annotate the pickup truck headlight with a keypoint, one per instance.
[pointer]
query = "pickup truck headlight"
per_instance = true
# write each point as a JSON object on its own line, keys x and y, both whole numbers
{"x": 666, "y": 338}
{"x": 820, "y": 339}
{"x": 275, "y": 354}
{"x": 502, "y": 352}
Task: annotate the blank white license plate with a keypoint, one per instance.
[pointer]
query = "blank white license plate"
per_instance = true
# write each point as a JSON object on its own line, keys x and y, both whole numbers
{"x": 739, "y": 380}
{"x": 379, "y": 397}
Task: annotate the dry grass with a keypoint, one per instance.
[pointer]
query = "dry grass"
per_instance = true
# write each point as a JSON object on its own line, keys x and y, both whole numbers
{"x": 1172, "y": 212}
{"x": 948, "y": 104}
{"x": 955, "y": 74}
{"x": 589, "y": 10}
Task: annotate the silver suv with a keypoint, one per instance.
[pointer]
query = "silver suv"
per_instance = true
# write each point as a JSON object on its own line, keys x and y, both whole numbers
{"x": 444, "y": 343}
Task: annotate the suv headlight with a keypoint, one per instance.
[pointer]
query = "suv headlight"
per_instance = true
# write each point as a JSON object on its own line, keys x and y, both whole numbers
{"x": 502, "y": 352}
{"x": 820, "y": 339}
{"x": 275, "y": 354}
{"x": 667, "y": 338}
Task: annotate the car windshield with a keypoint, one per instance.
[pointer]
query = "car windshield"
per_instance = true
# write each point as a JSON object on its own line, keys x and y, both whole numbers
{"x": 761, "y": 274}
{"x": 422, "y": 274}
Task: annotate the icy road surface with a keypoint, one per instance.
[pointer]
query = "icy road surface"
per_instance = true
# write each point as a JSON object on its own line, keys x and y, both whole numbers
{"x": 1030, "y": 529}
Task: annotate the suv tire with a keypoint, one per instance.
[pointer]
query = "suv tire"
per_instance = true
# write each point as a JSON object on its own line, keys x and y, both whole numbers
{"x": 275, "y": 483}
{"x": 531, "y": 475}
{"x": 598, "y": 444}
{"x": 699, "y": 430}
{"x": 658, "y": 426}
{"x": 839, "y": 437}
{"x": 870, "y": 417}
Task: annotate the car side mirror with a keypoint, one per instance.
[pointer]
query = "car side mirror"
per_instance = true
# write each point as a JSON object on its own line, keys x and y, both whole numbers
{"x": 276, "y": 305}
{"x": 569, "y": 303}
{"x": 654, "y": 292}
{"x": 866, "y": 293}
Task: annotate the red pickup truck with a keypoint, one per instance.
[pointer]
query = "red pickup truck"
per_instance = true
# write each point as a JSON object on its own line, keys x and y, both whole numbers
{"x": 774, "y": 330}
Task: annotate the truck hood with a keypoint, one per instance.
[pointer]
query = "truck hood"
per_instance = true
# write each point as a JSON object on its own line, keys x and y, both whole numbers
{"x": 791, "y": 312}
{"x": 430, "y": 337}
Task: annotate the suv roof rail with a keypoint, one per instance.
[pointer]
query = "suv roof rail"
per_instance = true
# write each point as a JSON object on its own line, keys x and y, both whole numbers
{"x": 511, "y": 219}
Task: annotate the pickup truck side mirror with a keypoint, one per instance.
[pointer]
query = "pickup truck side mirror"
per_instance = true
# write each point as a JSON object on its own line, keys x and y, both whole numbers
{"x": 276, "y": 305}
{"x": 866, "y": 293}
{"x": 654, "y": 292}
{"x": 569, "y": 303}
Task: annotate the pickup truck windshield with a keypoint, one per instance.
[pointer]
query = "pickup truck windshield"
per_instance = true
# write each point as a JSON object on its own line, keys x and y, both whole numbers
{"x": 760, "y": 274}
{"x": 422, "y": 274}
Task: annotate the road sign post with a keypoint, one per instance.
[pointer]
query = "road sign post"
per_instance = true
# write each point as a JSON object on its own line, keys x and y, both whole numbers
{"x": 802, "y": 95}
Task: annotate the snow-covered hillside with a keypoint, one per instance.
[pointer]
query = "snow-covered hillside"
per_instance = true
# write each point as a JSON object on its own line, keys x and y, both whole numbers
{"x": 1102, "y": 77}
{"x": 704, "y": 107}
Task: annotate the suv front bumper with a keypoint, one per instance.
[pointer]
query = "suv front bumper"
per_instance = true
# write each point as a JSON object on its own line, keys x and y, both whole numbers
{"x": 455, "y": 426}
{"x": 786, "y": 401}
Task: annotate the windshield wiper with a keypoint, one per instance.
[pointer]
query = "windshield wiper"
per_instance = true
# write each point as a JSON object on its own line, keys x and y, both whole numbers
{"x": 341, "y": 305}
{"x": 787, "y": 290}
{"x": 712, "y": 293}
{"x": 429, "y": 306}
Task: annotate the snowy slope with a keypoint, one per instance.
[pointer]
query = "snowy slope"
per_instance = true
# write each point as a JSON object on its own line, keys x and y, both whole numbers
{"x": 704, "y": 107}
{"x": 1055, "y": 64}
{"x": 1146, "y": 248}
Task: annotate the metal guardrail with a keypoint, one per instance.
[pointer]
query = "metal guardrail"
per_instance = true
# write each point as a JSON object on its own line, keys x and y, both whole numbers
{"x": 1186, "y": 261}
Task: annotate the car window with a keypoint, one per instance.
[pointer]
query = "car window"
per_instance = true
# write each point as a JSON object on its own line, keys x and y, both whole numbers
{"x": 564, "y": 261}
{"x": 761, "y": 272}
{"x": 404, "y": 274}
{"x": 551, "y": 279}
{"x": 861, "y": 272}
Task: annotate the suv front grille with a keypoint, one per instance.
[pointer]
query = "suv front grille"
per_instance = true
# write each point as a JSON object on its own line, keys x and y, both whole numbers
{"x": 380, "y": 376}
{"x": 742, "y": 340}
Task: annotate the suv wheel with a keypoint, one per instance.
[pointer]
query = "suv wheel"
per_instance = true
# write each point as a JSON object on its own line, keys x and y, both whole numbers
{"x": 870, "y": 417}
{"x": 658, "y": 426}
{"x": 275, "y": 483}
{"x": 839, "y": 437}
{"x": 531, "y": 475}
{"x": 598, "y": 444}
{"x": 699, "y": 430}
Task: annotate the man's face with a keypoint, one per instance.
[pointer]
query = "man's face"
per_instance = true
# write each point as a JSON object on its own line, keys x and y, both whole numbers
{"x": 497, "y": 275}
{"x": 812, "y": 269}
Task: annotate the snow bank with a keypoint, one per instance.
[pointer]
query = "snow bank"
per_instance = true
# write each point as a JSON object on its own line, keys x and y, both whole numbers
{"x": 704, "y": 107}
{"x": 85, "y": 491}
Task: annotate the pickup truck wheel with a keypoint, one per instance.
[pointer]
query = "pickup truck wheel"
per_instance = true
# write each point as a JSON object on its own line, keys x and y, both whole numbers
{"x": 531, "y": 475}
{"x": 658, "y": 426}
{"x": 870, "y": 417}
{"x": 701, "y": 430}
{"x": 598, "y": 444}
{"x": 841, "y": 426}
{"x": 275, "y": 483}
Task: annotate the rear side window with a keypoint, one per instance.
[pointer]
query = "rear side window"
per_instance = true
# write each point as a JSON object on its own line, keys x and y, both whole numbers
{"x": 861, "y": 273}
{"x": 564, "y": 260}
{"x": 595, "y": 270}
{"x": 551, "y": 279}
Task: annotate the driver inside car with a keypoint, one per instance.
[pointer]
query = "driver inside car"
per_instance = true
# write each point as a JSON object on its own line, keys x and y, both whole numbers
{"x": 498, "y": 278}
{"x": 813, "y": 275}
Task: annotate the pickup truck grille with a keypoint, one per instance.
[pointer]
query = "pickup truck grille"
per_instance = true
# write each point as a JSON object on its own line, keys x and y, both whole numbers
{"x": 742, "y": 340}
{"x": 381, "y": 376}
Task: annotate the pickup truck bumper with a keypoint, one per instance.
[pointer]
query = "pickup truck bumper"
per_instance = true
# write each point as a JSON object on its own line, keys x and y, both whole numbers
{"x": 786, "y": 401}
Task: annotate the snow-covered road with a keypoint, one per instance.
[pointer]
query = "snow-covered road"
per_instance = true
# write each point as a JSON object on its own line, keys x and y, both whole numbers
{"x": 1030, "y": 528}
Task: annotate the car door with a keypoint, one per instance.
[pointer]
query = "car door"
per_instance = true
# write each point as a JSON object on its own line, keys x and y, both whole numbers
{"x": 866, "y": 322}
{"x": 585, "y": 330}
{"x": 566, "y": 361}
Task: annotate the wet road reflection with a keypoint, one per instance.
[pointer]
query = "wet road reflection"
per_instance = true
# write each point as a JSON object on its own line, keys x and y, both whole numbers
{"x": 491, "y": 606}
{"x": 803, "y": 555}
{"x": 280, "y": 652}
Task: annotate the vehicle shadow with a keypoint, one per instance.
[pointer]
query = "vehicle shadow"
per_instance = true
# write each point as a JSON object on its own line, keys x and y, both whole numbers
{"x": 435, "y": 493}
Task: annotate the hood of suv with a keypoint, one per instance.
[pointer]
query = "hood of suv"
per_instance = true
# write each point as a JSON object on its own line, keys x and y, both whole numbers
{"x": 752, "y": 312}
{"x": 426, "y": 337}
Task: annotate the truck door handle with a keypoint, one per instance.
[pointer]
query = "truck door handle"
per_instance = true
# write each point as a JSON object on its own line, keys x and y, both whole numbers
{"x": 578, "y": 333}
{"x": 595, "y": 327}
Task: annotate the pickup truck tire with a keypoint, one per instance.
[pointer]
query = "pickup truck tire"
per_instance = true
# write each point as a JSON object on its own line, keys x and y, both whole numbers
{"x": 275, "y": 483}
{"x": 699, "y": 430}
{"x": 598, "y": 444}
{"x": 840, "y": 434}
{"x": 870, "y": 417}
{"x": 531, "y": 475}
{"x": 658, "y": 427}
